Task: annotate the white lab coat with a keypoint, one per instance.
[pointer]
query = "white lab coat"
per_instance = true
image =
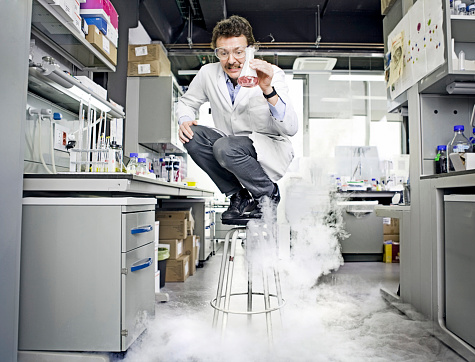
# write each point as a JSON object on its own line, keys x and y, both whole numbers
{"x": 249, "y": 116}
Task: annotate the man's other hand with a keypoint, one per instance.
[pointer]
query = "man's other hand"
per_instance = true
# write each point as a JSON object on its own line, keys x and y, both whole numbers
{"x": 185, "y": 133}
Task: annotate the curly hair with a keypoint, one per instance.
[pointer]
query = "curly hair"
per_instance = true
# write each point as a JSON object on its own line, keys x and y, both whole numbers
{"x": 233, "y": 26}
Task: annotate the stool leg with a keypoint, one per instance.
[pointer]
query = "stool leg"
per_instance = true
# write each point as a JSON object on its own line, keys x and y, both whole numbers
{"x": 278, "y": 292}
{"x": 229, "y": 280}
{"x": 267, "y": 304}
{"x": 249, "y": 290}
{"x": 221, "y": 276}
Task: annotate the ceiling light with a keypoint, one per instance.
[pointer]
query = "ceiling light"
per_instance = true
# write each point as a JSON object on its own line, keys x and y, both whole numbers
{"x": 314, "y": 63}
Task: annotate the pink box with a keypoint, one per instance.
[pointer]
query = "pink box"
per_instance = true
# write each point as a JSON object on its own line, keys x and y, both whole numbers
{"x": 93, "y": 8}
{"x": 113, "y": 15}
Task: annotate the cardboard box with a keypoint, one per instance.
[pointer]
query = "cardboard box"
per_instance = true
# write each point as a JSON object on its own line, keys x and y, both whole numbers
{"x": 177, "y": 215}
{"x": 197, "y": 255}
{"x": 146, "y": 52}
{"x": 390, "y": 226}
{"x": 391, "y": 237}
{"x": 150, "y": 68}
{"x": 101, "y": 43}
{"x": 178, "y": 270}
{"x": 176, "y": 247}
{"x": 189, "y": 248}
{"x": 391, "y": 252}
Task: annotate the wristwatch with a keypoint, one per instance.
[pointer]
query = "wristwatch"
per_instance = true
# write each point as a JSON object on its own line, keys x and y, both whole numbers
{"x": 271, "y": 94}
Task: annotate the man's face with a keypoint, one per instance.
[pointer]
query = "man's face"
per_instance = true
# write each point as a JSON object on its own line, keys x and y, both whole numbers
{"x": 233, "y": 45}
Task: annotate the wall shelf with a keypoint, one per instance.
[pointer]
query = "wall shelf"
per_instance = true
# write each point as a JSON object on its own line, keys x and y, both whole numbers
{"x": 50, "y": 27}
{"x": 64, "y": 95}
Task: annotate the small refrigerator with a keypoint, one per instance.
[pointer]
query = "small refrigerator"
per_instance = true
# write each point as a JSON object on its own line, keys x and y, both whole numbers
{"x": 365, "y": 242}
{"x": 460, "y": 265}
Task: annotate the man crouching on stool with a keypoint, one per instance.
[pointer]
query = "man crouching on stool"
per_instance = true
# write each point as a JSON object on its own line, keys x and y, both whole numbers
{"x": 249, "y": 150}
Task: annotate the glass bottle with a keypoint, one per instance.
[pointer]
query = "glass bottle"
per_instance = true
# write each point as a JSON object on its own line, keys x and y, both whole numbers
{"x": 132, "y": 165}
{"x": 115, "y": 157}
{"x": 248, "y": 77}
{"x": 142, "y": 167}
{"x": 441, "y": 159}
{"x": 459, "y": 144}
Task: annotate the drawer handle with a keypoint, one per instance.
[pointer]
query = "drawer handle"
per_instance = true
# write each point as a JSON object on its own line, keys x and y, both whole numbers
{"x": 141, "y": 264}
{"x": 141, "y": 229}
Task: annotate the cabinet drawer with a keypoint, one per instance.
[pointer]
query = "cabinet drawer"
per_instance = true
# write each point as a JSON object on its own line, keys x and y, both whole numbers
{"x": 137, "y": 229}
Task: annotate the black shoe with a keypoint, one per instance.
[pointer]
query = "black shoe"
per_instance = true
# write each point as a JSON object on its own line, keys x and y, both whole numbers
{"x": 274, "y": 201}
{"x": 241, "y": 202}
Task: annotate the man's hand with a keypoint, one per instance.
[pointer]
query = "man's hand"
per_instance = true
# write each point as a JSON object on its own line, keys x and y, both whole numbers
{"x": 265, "y": 72}
{"x": 185, "y": 133}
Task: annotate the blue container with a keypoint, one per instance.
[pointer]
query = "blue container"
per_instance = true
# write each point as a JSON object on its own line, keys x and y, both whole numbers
{"x": 100, "y": 23}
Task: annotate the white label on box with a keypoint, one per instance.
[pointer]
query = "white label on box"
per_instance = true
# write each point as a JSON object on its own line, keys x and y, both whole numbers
{"x": 387, "y": 220}
{"x": 141, "y": 51}
{"x": 179, "y": 248}
{"x": 144, "y": 68}
{"x": 106, "y": 44}
{"x": 186, "y": 268}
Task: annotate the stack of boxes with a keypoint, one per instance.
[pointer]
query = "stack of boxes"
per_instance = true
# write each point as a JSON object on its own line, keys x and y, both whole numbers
{"x": 69, "y": 10}
{"x": 148, "y": 60}
{"x": 176, "y": 230}
{"x": 391, "y": 240}
{"x": 102, "y": 27}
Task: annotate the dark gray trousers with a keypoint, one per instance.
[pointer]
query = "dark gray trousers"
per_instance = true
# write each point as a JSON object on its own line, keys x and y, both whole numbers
{"x": 230, "y": 161}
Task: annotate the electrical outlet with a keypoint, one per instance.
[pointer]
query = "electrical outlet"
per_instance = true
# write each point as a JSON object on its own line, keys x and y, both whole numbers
{"x": 60, "y": 137}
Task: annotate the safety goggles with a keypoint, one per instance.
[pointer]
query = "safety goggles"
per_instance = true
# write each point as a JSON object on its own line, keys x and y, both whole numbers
{"x": 223, "y": 53}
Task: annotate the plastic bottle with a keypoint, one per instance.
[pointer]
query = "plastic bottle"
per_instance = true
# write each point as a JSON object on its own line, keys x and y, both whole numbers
{"x": 462, "y": 60}
{"x": 338, "y": 183}
{"x": 142, "y": 167}
{"x": 373, "y": 184}
{"x": 459, "y": 144}
{"x": 441, "y": 159}
{"x": 472, "y": 139}
{"x": 462, "y": 9}
{"x": 132, "y": 165}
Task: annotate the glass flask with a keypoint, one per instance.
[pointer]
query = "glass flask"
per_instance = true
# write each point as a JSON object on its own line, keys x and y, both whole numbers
{"x": 248, "y": 77}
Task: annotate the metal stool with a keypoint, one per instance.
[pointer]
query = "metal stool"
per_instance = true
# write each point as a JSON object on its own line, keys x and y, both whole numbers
{"x": 226, "y": 279}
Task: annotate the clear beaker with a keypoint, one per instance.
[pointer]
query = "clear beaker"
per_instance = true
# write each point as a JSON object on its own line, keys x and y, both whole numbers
{"x": 248, "y": 77}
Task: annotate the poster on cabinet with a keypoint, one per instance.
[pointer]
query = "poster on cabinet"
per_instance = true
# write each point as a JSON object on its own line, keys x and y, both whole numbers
{"x": 422, "y": 45}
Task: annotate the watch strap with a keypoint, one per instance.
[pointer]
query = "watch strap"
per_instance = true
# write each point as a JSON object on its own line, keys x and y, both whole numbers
{"x": 271, "y": 94}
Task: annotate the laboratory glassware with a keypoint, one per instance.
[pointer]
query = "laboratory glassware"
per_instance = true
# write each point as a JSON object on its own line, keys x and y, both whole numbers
{"x": 248, "y": 77}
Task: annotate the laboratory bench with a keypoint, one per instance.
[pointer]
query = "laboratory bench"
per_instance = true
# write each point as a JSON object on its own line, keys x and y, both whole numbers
{"x": 77, "y": 226}
{"x": 122, "y": 185}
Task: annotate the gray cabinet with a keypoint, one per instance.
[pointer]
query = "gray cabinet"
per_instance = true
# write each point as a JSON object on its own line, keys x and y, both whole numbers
{"x": 151, "y": 116}
{"x": 87, "y": 274}
{"x": 460, "y": 265}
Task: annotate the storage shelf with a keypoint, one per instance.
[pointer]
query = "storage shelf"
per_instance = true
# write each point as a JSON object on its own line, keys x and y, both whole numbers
{"x": 62, "y": 95}
{"x": 50, "y": 27}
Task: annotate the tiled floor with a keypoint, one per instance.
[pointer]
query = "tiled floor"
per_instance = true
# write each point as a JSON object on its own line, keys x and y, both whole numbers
{"x": 339, "y": 317}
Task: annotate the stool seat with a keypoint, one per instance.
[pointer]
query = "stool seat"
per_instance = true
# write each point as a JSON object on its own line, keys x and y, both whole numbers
{"x": 226, "y": 279}
{"x": 237, "y": 221}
